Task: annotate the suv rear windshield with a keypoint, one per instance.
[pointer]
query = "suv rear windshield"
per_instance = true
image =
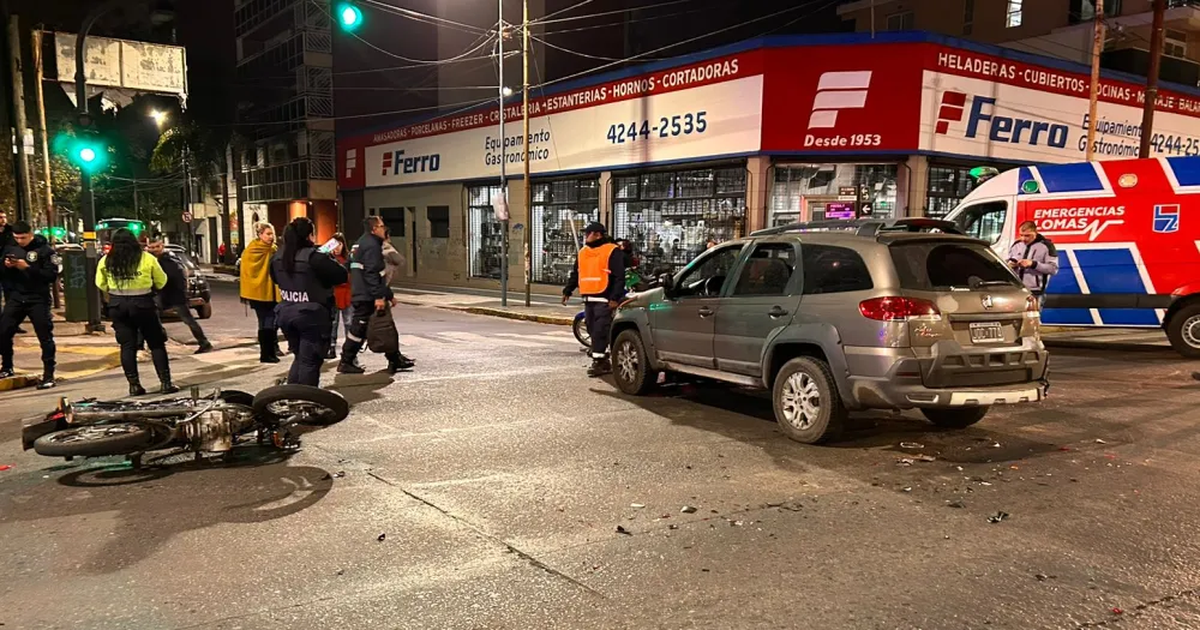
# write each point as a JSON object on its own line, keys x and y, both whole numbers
{"x": 930, "y": 265}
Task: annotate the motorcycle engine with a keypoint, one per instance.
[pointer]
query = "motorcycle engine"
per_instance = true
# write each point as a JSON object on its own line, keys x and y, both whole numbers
{"x": 211, "y": 432}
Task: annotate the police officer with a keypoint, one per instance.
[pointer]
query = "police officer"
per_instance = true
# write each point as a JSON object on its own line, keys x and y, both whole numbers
{"x": 29, "y": 270}
{"x": 369, "y": 293}
{"x": 129, "y": 277}
{"x": 599, "y": 274}
{"x": 306, "y": 277}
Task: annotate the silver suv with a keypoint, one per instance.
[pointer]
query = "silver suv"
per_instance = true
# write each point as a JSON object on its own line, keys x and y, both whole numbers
{"x": 841, "y": 316}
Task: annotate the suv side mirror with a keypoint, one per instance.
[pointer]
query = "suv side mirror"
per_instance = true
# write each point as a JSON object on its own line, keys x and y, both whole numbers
{"x": 667, "y": 282}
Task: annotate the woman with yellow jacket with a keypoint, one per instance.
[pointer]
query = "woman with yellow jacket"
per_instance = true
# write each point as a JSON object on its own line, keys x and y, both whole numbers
{"x": 259, "y": 290}
{"x": 129, "y": 277}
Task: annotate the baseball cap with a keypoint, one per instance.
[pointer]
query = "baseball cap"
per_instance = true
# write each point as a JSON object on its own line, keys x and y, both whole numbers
{"x": 595, "y": 226}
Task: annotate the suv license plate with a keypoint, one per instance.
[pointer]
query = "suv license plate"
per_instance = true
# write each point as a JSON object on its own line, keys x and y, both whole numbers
{"x": 986, "y": 332}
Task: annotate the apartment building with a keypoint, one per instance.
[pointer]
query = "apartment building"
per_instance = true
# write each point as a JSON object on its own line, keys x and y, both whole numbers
{"x": 1055, "y": 28}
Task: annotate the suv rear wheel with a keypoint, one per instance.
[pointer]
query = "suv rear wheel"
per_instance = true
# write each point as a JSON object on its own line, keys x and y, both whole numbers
{"x": 955, "y": 418}
{"x": 808, "y": 407}
{"x": 631, "y": 367}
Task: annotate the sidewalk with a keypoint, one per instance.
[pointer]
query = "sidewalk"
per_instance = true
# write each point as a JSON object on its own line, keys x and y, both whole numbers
{"x": 543, "y": 309}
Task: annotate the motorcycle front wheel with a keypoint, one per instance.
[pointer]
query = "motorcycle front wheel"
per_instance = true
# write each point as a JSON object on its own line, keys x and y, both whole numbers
{"x": 95, "y": 440}
{"x": 581, "y": 331}
{"x": 309, "y": 404}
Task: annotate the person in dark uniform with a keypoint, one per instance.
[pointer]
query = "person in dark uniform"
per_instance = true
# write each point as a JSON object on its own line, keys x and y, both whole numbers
{"x": 173, "y": 296}
{"x": 599, "y": 274}
{"x": 129, "y": 277}
{"x": 306, "y": 277}
{"x": 6, "y": 239}
{"x": 369, "y": 292}
{"x": 30, "y": 269}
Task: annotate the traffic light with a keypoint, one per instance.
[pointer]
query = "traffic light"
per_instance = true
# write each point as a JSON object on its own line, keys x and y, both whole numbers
{"x": 88, "y": 154}
{"x": 349, "y": 17}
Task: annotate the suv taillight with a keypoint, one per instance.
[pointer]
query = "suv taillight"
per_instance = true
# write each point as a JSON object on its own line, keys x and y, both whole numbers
{"x": 887, "y": 309}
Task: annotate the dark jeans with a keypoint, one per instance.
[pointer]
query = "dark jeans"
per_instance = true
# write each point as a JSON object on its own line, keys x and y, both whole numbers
{"x": 135, "y": 318}
{"x": 307, "y": 328}
{"x": 189, "y": 319}
{"x": 265, "y": 312}
{"x": 39, "y": 314}
{"x": 598, "y": 316}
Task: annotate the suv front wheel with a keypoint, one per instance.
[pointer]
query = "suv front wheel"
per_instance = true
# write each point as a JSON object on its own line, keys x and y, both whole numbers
{"x": 808, "y": 407}
{"x": 955, "y": 418}
{"x": 631, "y": 367}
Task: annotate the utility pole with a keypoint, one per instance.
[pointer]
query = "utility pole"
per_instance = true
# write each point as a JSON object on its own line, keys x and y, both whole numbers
{"x": 1097, "y": 47}
{"x": 503, "y": 162}
{"x": 86, "y": 196}
{"x": 18, "y": 104}
{"x": 36, "y": 40}
{"x": 1156, "y": 51}
{"x": 137, "y": 211}
{"x": 528, "y": 184}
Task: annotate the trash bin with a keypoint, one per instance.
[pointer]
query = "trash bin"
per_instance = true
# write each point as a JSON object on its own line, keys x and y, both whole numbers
{"x": 75, "y": 282}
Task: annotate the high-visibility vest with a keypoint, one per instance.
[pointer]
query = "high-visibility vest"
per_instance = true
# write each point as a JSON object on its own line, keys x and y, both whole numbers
{"x": 593, "y": 269}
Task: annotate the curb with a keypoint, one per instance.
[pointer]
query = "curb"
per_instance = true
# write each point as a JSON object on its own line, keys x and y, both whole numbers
{"x": 18, "y": 382}
{"x": 1084, "y": 344}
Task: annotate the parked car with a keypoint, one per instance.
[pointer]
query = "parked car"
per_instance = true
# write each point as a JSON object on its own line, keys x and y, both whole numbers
{"x": 198, "y": 292}
{"x": 843, "y": 316}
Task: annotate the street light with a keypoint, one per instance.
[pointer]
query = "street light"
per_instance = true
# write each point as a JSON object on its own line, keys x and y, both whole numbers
{"x": 159, "y": 117}
{"x": 506, "y": 91}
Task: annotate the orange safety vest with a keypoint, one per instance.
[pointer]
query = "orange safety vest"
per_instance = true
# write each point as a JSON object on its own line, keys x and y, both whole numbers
{"x": 593, "y": 269}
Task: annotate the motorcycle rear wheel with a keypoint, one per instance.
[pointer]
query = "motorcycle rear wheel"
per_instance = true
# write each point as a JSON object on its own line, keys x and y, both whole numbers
{"x": 95, "y": 440}
{"x": 314, "y": 405}
{"x": 581, "y": 332}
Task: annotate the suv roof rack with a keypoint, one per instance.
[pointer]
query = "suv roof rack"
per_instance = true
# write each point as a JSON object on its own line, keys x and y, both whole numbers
{"x": 865, "y": 227}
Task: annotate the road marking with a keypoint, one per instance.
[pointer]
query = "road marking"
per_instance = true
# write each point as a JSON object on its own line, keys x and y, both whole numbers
{"x": 469, "y": 337}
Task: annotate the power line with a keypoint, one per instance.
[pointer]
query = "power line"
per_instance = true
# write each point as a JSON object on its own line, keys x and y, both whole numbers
{"x": 547, "y": 20}
{"x": 570, "y": 8}
{"x": 424, "y": 62}
{"x": 623, "y": 22}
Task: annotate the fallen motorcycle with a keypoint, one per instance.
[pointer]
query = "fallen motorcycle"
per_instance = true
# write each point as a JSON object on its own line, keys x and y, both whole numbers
{"x": 200, "y": 424}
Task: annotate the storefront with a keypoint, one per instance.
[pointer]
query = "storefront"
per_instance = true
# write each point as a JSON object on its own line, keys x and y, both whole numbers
{"x": 757, "y": 134}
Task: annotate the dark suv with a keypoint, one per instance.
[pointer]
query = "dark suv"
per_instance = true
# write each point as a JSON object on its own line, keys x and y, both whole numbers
{"x": 840, "y": 316}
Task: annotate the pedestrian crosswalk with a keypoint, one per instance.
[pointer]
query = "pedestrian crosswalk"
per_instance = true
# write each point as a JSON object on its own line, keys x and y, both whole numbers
{"x": 547, "y": 339}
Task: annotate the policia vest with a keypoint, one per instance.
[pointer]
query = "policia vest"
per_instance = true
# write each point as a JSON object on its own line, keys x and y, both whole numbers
{"x": 302, "y": 285}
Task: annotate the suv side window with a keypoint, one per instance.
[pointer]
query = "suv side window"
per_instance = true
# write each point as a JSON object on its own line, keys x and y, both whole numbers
{"x": 768, "y": 271}
{"x": 829, "y": 269}
{"x": 984, "y": 221}
{"x": 707, "y": 274}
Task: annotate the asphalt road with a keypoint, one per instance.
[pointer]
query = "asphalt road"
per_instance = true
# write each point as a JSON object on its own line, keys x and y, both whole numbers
{"x": 497, "y": 474}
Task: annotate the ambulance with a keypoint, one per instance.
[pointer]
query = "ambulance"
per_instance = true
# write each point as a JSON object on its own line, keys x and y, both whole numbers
{"x": 1127, "y": 234}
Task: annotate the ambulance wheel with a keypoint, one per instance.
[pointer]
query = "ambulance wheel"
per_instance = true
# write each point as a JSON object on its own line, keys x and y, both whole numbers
{"x": 1183, "y": 330}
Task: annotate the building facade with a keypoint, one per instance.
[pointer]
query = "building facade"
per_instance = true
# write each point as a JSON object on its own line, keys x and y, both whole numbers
{"x": 739, "y": 138}
{"x": 1057, "y": 28}
{"x": 285, "y": 112}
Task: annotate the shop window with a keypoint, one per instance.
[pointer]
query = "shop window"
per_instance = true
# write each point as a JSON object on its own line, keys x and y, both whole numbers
{"x": 393, "y": 218}
{"x": 670, "y": 215}
{"x": 484, "y": 232}
{"x": 439, "y": 221}
{"x": 1014, "y": 14}
{"x": 816, "y": 192}
{"x": 561, "y": 210}
{"x": 948, "y": 185}
{"x": 1175, "y": 44}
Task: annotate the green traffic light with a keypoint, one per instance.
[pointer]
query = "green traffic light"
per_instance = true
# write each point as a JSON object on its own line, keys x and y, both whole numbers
{"x": 87, "y": 154}
{"x": 349, "y": 16}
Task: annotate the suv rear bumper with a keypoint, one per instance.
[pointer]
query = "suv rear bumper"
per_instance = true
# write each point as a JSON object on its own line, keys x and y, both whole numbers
{"x": 885, "y": 394}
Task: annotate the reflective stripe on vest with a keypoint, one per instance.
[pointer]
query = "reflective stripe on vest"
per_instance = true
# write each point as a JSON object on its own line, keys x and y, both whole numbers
{"x": 593, "y": 269}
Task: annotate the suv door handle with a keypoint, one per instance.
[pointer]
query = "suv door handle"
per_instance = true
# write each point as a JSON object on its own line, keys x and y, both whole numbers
{"x": 777, "y": 311}
{"x": 704, "y": 311}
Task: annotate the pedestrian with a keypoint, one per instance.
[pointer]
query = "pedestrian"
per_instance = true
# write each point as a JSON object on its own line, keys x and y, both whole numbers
{"x": 260, "y": 292}
{"x": 393, "y": 259}
{"x": 29, "y": 271}
{"x": 599, "y": 274}
{"x": 173, "y": 298}
{"x": 1034, "y": 259}
{"x": 370, "y": 294}
{"x": 341, "y": 294}
{"x": 306, "y": 278}
{"x": 129, "y": 277}
{"x": 221, "y": 253}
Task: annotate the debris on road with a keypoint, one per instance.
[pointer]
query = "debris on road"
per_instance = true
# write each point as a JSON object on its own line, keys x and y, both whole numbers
{"x": 956, "y": 503}
{"x": 925, "y": 458}
{"x": 997, "y": 517}
{"x": 904, "y": 461}
{"x": 622, "y": 530}
{"x": 1118, "y": 611}
{"x": 637, "y": 506}
{"x": 4, "y": 467}
{"x": 1099, "y": 441}
{"x": 382, "y": 537}
{"x": 912, "y": 446}
{"x": 908, "y": 489}
{"x": 687, "y": 509}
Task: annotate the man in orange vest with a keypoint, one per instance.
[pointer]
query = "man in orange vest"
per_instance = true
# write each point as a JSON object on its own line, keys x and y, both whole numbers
{"x": 599, "y": 275}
